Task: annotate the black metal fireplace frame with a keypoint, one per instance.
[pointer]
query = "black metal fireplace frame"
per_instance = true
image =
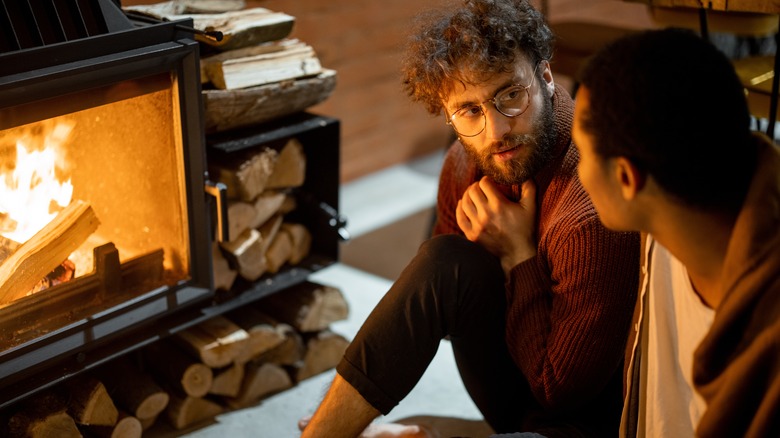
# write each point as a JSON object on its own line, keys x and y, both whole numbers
{"x": 28, "y": 78}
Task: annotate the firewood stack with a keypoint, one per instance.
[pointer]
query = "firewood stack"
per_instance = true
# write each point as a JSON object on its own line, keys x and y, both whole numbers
{"x": 257, "y": 72}
{"x": 227, "y": 362}
{"x": 260, "y": 239}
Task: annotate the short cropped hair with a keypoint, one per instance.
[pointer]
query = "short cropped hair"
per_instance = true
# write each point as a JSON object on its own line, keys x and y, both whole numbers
{"x": 672, "y": 103}
{"x": 480, "y": 39}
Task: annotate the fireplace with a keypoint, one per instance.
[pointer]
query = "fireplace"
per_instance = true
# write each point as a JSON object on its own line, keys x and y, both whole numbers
{"x": 101, "y": 124}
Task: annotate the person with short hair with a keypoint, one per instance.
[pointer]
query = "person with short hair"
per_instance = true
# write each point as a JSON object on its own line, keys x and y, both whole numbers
{"x": 534, "y": 293}
{"x": 663, "y": 130}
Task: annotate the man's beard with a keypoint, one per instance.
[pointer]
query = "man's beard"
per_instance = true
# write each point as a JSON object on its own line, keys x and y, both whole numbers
{"x": 540, "y": 144}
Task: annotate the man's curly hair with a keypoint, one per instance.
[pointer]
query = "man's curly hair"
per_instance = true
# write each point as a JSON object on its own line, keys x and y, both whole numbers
{"x": 471, "y": 44}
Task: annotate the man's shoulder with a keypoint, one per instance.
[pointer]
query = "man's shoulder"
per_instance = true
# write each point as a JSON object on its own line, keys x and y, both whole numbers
{"x": 457, "y": 168}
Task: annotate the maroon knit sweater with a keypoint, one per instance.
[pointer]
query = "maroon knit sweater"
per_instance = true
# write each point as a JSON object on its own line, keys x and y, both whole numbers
{"x": 569, "y": 308}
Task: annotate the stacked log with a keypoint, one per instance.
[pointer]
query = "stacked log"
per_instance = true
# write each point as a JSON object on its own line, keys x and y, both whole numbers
{"x": 255, "y": 73}
{"x": 260, "y": 240}
{"x": 226, "y": 362}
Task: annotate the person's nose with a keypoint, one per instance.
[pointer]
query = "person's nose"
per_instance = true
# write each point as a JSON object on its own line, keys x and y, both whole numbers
{"x": 497, "y": 125}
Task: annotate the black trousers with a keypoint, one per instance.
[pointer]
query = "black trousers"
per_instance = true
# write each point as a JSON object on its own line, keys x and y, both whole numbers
{"x": 452, "y": 288}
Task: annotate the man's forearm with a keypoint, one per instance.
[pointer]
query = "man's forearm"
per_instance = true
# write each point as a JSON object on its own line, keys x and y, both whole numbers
{"x": 342, "y": 413}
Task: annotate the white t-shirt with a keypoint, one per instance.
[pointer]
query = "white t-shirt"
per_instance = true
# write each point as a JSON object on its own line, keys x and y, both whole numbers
{"x": 677, "y": 321}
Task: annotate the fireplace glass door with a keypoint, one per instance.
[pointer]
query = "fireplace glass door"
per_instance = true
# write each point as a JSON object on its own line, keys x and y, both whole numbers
{"x": 92, "y": 200}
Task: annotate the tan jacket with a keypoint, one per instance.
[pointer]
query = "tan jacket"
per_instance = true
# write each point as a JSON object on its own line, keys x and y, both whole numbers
{"x": 737, "y": 365}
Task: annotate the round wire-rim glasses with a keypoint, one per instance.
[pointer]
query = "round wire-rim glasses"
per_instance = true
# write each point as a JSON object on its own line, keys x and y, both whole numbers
{"x": 511, "y": 101}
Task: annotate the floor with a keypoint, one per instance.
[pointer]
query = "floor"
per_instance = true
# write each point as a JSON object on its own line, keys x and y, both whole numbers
{"x": 389, "y": 213}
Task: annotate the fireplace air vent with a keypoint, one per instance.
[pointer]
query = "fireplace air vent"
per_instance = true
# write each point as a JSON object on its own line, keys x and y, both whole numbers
{"x": 26, "y": 24}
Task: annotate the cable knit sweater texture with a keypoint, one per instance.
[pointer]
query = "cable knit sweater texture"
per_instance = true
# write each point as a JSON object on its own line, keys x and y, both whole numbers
{"x": 568, "y": 308}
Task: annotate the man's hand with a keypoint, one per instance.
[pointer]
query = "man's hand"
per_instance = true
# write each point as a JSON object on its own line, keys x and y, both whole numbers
{"x": 504, "y": 228}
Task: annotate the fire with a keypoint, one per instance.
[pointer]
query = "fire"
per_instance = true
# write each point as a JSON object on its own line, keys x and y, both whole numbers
{"x": 31, "y": 193}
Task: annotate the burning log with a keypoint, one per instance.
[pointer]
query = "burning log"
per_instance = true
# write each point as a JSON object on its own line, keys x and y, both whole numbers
{"x": 46, "y": 250}
{"x": 7, "y": 247}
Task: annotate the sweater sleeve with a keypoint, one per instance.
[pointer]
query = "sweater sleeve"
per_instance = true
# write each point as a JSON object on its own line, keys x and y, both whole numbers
{"x": 453, "y": 181}
{"x": 568, "y": 312}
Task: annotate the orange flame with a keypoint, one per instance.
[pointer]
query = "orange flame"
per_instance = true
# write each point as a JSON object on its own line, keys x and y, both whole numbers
{"x": 31, "y": 193}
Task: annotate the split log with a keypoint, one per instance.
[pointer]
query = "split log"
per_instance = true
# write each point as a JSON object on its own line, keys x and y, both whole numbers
{"x": 242, "y": 28}
{"x": 246, "y": 254}
{"x": 289, "y": 352}
{"x": 42, "y": 416}
{"x": 227, "y": 381}
{"x": 177, "y": 368}
{"x": 301, "y": 241}
{"x": 245, "y": 175}
{"x": 267, "y": 204}
{"x": 259, "y": 65}
{"x": 126, "y": 426}
{"x": 290, "y": 203}
{"x": 133, "y": 390}
{"x": 278, "y": 252}
{"x": 224, "y": 275}
{"x": 186, "y": 411}
{"x": 324, "y": 350}
{"x": 290, "y": 167}
{"x": 147, "y": 423}
{"x": 175, "y": 7}
{"x": 89, "y": 402}
{"x": 209, "y": 6}
{"x": 229, "y": 109}
{"x": 241, "y": 216}
{"x": 269, "y": 230}
{"x": 216, "y": 341}
{"x": 264, "y": 333}
{"x": 46, "y": 250}
{"x": 307, "y": 306}
{"x": 261, "y": 381}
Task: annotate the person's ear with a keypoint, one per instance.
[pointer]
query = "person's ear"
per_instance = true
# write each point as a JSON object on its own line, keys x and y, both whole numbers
{"x": 630, "y": 178}
{"x": 547, "y": 76}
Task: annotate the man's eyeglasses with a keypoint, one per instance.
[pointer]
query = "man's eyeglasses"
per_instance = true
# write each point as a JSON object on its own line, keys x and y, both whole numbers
{"x": 470, "y": 120}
